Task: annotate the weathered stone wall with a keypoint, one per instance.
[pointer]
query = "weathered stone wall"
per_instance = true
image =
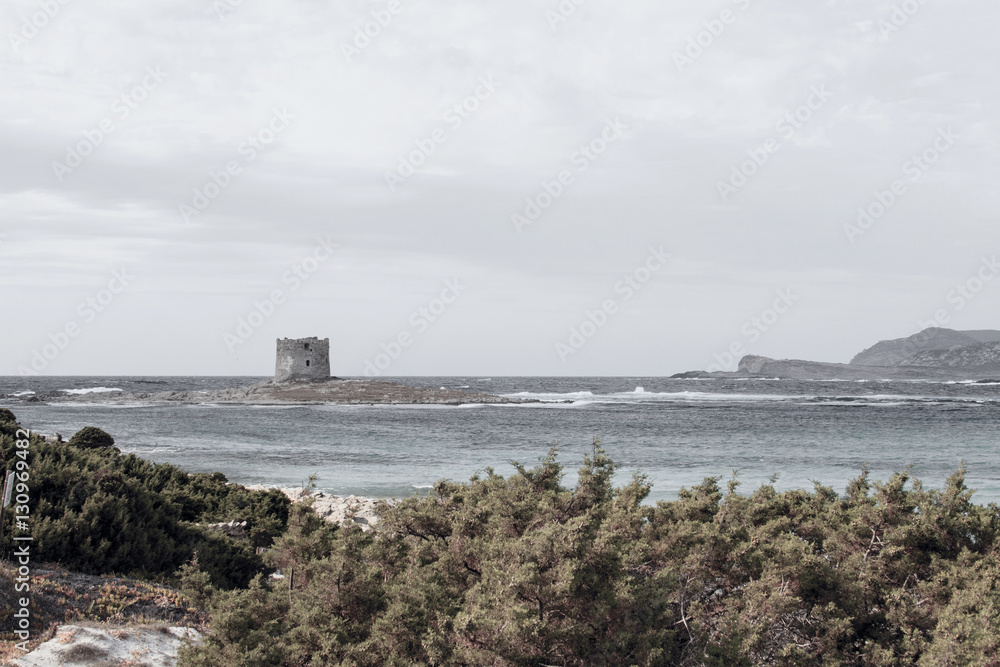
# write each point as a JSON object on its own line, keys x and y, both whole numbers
{"x": 302, "y": 359}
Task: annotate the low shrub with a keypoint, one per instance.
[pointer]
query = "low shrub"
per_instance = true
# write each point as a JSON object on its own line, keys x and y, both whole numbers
{"x": 91, "y": 437}
{"x": 97, "y": 511}
{"x": 522, "y": 571}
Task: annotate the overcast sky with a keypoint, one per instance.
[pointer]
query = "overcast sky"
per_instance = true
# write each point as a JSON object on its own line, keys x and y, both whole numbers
{"x": 114, "y": 115}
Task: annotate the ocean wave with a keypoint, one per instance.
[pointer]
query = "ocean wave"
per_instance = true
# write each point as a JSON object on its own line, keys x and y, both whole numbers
{"x": 547, "y": 405}
{"x": 639, "y": 394}
{"x": 642, "y": 396}
{"x": 140, "y": 450}
{"x": 703, "y": 396}
{"x": 747, "y": 379}
{"x": 551, "y": 396}
{"x": 91, "y": 390}
{"x": 102, "y": 406}
{"x": 895, "y": 400}
{"x": 23, "y": 393}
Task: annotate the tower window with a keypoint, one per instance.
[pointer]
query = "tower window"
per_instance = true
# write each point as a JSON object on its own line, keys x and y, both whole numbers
{"x": 307, "y": 362}
{"x": 306, "y": 346}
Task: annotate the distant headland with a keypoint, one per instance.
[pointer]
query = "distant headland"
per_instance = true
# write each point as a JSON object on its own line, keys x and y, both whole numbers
{"x": 932, "y": 354}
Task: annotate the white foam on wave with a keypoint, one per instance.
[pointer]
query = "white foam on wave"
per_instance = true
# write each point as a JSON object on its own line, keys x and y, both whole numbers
{"x": 707, "y": 396}
{"x": 23, "y": 393}
{"x": 546, "y": 405}
{"x": 153, "y": 449}
{"x": 641, "y": 394}
{"x": 551, "y": 396}
{"x": 90, "y": 390}
{"x": 103, "y": 406}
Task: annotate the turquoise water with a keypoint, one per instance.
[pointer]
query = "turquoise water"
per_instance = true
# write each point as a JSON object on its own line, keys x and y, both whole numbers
{"x": 676, "y": 432}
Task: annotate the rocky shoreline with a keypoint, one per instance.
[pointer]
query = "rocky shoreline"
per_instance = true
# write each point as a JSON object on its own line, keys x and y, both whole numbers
{"x": 297, "y": 392}
{"x": 335, "y": 509}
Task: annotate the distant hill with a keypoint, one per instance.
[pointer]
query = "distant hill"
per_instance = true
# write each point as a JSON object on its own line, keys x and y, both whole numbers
{"x": 894, "y": 352}
{"x": 933, "y": 354}
{"x": 798, "y": 369}
{"x": 982, "y": 355}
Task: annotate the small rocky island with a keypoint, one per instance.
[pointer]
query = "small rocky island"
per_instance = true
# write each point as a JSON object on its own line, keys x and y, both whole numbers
{"x": 301, "y": 377}
{"x": 302, "y": 392}
{"x": 933, "y": 354}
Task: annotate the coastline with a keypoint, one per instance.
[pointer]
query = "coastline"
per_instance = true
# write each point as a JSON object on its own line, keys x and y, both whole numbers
{"x": 294, "y": 392}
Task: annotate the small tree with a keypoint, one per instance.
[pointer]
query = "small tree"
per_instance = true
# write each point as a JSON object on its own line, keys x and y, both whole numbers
{"x": 91, "y": 437}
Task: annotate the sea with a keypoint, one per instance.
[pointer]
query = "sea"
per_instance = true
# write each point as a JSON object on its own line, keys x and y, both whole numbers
{"x": 675, "y": 432}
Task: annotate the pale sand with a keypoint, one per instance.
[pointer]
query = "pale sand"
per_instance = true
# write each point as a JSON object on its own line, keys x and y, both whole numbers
{"x": 127, "y": 645}
{"x": 336, "y": 509}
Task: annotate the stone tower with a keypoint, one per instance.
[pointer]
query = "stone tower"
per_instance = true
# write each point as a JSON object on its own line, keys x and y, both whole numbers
{"x": 302, "y": 359}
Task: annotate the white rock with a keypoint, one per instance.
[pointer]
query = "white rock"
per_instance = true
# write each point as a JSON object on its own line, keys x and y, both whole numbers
{"x": 77, "y": 645}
